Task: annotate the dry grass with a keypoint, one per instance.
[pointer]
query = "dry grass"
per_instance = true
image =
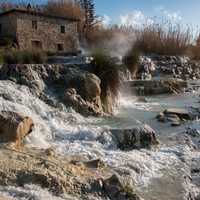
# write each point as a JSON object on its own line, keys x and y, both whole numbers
{"x": 98, "y": 36}
{"x": 64, "y": 8}
{"x": 157, "y": 38}
{"x": 163, "y": 39}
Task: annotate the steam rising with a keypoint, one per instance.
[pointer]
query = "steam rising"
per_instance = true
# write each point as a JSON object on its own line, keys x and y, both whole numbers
{"x": 120, "y": 44}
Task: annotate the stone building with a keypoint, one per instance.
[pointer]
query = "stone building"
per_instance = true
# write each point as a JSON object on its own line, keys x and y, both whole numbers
{"x": 34, "y": 30}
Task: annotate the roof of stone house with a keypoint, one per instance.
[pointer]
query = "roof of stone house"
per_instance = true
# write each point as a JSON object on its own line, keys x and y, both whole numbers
{"x": 35, "y": 13}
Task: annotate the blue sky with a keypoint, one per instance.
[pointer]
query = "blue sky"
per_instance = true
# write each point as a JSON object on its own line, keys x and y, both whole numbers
{"x": 135, "y": 11}
{"x": 184, "y": 11}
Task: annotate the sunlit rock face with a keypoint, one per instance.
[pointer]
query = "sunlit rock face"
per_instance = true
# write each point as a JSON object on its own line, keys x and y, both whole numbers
{"x": 14, "y": 127}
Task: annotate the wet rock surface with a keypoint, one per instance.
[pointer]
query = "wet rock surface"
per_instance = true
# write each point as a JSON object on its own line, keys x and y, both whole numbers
{"x": 166, "y": 170}
{"x": 136, "y": 138}
{"x": 52, "y": 83}
{"x": 14, "y": 127}
{"x": 117, "y": 191}
{"x": 71, "y": 98}
{"x": 175, "y": 116}
{"x": 59, "y": 175}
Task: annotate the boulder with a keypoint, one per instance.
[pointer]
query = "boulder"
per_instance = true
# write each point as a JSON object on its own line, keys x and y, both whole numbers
{"x": 87, "y": 87}
{"x": 136, "y": 138}
{"x": 74, "y": 100}
{"x": 14, "y": 127}
{"x": 174, "y": 116}
{"x": 183, "y": 114}
{"x": 117, "y": 191}
{"x": 92, "y": 86}
{"x": 112, "y": 186}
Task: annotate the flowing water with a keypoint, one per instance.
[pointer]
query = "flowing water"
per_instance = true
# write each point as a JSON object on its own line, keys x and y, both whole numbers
{"x": 163, "y": 171}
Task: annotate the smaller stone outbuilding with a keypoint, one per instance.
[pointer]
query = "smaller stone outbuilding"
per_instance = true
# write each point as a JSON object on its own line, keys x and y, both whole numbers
{"x": 29, "y": 29}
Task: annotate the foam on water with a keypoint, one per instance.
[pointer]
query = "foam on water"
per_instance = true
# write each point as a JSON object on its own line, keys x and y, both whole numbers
{"x": 130, "y": 102}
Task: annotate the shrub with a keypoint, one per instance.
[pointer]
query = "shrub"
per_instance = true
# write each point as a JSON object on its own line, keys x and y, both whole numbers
{"x": 6, "y": 42}
{"x": 131, "y": 60}
{"x": 163, "y": 39}
{"x": 1, "y": 58}
{"x": 194, "y": 52}
{"x": 39, "y": 57}
{"x": 10, "y": 58}
{"x": 23, "y": 57}
{"x": 107, "y": 70}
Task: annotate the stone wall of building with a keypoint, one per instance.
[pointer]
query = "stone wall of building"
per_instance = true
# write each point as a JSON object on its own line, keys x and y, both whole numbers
{"x": 8, "y": 26}
{"x": 48, "y": 33}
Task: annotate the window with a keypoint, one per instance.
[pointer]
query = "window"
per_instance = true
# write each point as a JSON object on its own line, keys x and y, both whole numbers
{"x": 34, "y": 25}
{"x": 60, "y": 47}
{"x": 36, "y": 44}
{"x": 62, "y": 29}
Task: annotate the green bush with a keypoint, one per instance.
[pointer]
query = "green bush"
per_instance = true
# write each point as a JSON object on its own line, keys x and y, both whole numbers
{"x": 107, "y": 70}
{"x": 1, "y": 59}
{"x": 6, "y": 42}
{"x": 9, "y": 58}
{"x": 23, "y": 57}
{"x": 39, "y": 57}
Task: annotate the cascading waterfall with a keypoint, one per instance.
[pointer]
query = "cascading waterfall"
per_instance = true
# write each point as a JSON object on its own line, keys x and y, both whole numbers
{"x": 72, "y": 134}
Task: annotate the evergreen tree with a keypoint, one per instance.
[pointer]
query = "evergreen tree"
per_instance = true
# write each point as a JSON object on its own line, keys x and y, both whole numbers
{"x": 89, "y": 13}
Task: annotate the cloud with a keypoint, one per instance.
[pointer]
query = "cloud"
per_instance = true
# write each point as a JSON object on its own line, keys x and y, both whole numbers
{"x": 174, "y": 16}
{"x": 137, "y": 18}
{"x": 134, "y": 18}
{"x": 106, "y": 20}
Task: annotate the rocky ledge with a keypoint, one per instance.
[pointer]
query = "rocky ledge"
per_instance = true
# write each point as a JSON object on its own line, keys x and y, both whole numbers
{"x": 62, "y": 176}
{"x": 58, "y": 85}
{"x": 175, "y": 116}
{"x": 155, "y": 87}
{"x": 180, "y": 67}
